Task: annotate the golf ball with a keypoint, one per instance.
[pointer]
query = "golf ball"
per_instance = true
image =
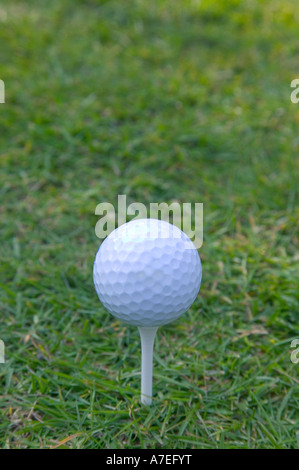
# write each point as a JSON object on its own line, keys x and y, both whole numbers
{"x": 147, "y": 272}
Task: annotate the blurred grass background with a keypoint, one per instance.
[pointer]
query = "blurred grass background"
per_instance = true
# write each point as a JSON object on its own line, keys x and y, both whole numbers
{"x": 162, "y": 101}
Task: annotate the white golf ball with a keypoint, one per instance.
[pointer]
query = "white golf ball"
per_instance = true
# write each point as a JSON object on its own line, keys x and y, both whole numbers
{"x": 147, "y": 272}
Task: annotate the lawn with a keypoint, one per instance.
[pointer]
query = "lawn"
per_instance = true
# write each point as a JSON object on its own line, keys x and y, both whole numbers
{"x": 160, "y": 101}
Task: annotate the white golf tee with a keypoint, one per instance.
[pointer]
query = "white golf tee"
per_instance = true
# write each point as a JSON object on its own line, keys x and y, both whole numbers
{"x": 147, "y": 336}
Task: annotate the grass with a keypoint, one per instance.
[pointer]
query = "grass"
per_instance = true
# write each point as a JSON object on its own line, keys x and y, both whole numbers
{"x": 160, "y": 101}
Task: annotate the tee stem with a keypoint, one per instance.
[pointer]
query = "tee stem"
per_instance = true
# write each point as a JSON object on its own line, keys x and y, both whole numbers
{"x": 147, "y": 336}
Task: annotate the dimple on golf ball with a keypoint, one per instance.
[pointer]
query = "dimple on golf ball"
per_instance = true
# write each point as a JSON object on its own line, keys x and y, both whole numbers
{"x": 147, "y": 272}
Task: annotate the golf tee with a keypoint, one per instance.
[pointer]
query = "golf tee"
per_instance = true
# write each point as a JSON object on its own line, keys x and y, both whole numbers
{"x": 147, "y": 336}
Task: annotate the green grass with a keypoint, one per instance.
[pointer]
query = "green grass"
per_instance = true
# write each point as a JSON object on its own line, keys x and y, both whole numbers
{"x": 161, "y": 101}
